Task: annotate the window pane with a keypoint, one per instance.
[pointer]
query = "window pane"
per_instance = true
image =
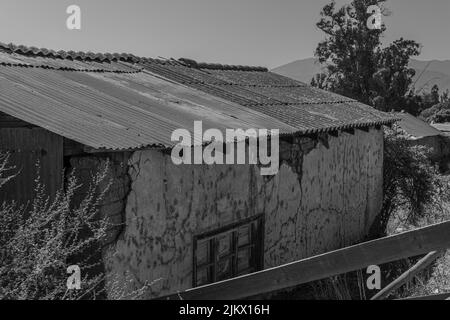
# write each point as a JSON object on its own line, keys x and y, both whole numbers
{"x": 203, "y": 276}
{"x": 203, "y": 252}
{"x": 224, "y": 245}
{"x": 228, "y": 253}
{"x": 244, "y": 236}
{"x": 243, "y": 259}
{"x": 223, "y": 270}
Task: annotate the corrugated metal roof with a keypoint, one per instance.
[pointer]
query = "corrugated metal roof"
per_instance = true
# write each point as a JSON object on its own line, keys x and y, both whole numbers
{"x": 442, "y": 127}
{"x": 125, "y": 102}
{"x": 306, "y": 108}
{"x": 118, "y": 111}
{"x": 7, "y": 59}
{"x": 416, "y": 127}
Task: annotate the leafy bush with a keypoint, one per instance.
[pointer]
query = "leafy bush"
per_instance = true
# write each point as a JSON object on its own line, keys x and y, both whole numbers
{"x": 442, "y": 116}
{"x": 410, "y": 182}
{"x": 39, "y": 243}
{"x": 439, "y": 113}
{"x": 5, "y": 171}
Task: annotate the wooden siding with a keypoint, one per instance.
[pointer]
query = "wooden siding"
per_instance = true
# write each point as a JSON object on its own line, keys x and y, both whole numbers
{"x": 27, "y": 147}
{"x": 7, "y": 121}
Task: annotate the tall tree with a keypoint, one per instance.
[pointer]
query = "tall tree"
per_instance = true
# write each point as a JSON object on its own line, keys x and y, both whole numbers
{"x": 357, "y": 65}
{"x": 431, "y": 98}
{"x": 444, "y": 96}
{"x": 435, "y": 94}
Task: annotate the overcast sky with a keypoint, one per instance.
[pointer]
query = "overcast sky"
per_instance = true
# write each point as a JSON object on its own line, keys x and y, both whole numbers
{"x": 251, "y": 32}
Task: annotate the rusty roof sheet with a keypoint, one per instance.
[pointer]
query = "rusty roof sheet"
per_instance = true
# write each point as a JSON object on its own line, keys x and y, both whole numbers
{"x": 306, "y": 108}
{"x": 118, "y": 111}
{"x": 120, "y": 101}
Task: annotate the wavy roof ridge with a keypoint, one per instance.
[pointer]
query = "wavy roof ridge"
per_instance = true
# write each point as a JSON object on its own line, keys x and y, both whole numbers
{"x": 217, "y": 66}
{"x": 125, "y": 57}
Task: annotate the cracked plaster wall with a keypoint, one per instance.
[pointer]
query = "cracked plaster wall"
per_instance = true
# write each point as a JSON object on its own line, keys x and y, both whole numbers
{"x": 325, "y": 196}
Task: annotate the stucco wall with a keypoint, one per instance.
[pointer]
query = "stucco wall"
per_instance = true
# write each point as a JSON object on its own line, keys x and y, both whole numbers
{"x": 116, "y": 182}
{"x": 325, "y": 196}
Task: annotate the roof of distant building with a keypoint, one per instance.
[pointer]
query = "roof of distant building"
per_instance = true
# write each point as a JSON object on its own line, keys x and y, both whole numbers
{"x": 415, "y": 127}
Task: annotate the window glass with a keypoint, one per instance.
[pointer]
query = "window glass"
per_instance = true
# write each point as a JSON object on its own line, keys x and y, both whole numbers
{"x": 224, "y": 270}
{"x": 228, "y": 253}
{"x": 203, "y": 252}
{"x": 243, "y": 259}
{"x": 244, "y": 236}
{"x": 224, "y": 245}
{"x": 203, "y": 276}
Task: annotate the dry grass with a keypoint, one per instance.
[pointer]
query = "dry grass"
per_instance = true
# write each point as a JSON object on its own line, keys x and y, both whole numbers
{"x": 436, "y": 279}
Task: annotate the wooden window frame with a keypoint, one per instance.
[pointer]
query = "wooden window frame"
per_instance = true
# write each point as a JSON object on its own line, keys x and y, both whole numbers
{"x": 255, "y": 244}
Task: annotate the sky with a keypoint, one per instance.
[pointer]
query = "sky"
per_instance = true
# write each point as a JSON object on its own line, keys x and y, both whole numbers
{"x": 248, "y": 32}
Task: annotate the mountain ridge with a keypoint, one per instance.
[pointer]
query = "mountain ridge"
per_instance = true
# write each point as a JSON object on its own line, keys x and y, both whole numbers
{"x": 430, "y": 72}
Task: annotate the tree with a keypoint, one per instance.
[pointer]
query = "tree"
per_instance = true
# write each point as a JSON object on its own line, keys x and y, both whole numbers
{"x": 413, "y": 104}
{"x": 444, "y": 97}
{"x": 431, "y": 98}
{"x": 443, "y": 116}
{"x": 357, "y": 66}
{"x": 437, "y": 113}
{"x": 319, "y": 81}
{"x": 410, "y": 181}
{"x": 435, "y": 97}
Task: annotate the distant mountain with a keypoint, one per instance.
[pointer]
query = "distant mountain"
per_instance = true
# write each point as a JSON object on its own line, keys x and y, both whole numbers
{"x": 437, "y": 72}
{"x": 301, "y": 70}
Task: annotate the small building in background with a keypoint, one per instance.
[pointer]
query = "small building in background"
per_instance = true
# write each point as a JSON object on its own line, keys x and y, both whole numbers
{"x": 443, "y": 128}
{"x": 421, "y": 133}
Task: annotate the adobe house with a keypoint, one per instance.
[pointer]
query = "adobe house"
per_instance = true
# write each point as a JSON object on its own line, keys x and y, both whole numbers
{"x": 190, "y": 225}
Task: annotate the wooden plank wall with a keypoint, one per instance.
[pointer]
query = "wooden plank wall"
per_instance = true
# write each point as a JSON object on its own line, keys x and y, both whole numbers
{"x": 26, "y": 146}
{"x": 7, "y": 121}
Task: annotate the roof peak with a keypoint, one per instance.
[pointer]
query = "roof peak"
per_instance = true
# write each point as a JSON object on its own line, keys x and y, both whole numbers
{"x": 217, "y": 66}
{"x": 125, "y": 57}
{"x": 77, "y": 55}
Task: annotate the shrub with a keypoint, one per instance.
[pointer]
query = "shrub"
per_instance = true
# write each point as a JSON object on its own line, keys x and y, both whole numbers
{"x": 437, "y": 113}
{"x": 410, "y": 181}
{"x": 40, "y": 242}
{"x": 442, "y": 116}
